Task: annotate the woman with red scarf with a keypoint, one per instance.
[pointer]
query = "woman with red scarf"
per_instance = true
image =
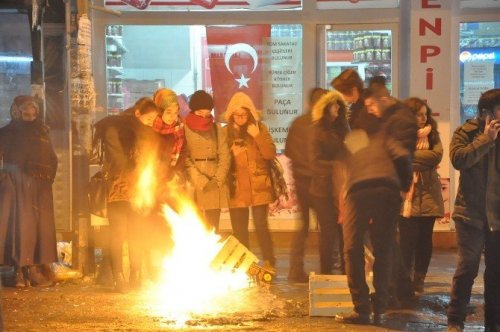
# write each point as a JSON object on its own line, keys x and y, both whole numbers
{"x": 207, "y": 159}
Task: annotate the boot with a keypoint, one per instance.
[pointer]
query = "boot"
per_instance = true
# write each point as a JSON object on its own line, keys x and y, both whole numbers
{"x": 22, "y": 277}
{"x": 120, "y": 284}
{"x": 418, "y": 283}
{"x": 38, "y": 277}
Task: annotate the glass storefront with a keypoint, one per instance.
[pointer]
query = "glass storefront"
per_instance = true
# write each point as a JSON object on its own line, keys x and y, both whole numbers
{"x": 266, "y": 64}
{"x": 479, "y": 63}
{"x": 15, "y": 61}
{"x": 366, "y": 51}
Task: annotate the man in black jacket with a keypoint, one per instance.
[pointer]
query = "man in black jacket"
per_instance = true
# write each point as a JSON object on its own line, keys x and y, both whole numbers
{"x": 475, "y": 152}
{"x": 378, "y": 169}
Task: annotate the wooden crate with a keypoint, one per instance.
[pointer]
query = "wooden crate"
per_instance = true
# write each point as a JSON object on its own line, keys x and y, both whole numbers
{"x": 328, "y": 295}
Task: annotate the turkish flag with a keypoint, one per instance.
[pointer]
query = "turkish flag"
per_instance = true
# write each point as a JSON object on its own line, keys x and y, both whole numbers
{"x": 235, "y": 57}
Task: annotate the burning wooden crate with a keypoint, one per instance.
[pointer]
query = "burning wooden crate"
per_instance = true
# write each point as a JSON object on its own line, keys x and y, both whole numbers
{"x": 328, "y": 295}
{"x": 234, "y": 256}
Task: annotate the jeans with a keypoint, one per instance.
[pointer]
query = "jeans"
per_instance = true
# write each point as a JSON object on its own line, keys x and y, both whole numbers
{"x": 471, "y": 241}
{"x": 302, "y": 184}
{"x": 415, "y": 236}
{"x": 124, "y": 225}
{"x": 381, "y": 205}
{"x": 212, "y": 217}
{"x": 239, "y": 222}
{"x": 328, "y": 216}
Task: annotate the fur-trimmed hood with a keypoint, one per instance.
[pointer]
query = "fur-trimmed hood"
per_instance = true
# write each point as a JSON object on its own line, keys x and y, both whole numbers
{"x": 238, "y": 100}
{"x": 328, "y": 98}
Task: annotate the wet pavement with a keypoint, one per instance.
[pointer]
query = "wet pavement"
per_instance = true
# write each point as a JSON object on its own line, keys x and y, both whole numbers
{"x": 84, "y": 306}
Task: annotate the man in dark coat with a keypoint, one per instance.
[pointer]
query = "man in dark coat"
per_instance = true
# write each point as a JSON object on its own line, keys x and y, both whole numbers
{"x": 475, "y": 152}
{"x": 377, "y": 170}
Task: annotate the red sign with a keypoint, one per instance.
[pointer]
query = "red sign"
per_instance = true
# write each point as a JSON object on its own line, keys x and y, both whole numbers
{"x": 235, "y": 57}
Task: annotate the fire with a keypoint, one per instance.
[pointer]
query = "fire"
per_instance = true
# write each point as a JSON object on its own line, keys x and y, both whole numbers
{"x": 145, "y": 188}
{"x": 190, "y": 285}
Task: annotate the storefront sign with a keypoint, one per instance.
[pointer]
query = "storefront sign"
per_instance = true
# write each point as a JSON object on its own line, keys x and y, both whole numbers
{"x": 282, "y": 85}
{"x": 356, "y": 4}
{"x": 202, "y": 5}
{"x": 430, "y": 65}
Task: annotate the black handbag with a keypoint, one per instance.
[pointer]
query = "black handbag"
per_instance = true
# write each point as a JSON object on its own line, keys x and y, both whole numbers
{"x": 98, "y": 195}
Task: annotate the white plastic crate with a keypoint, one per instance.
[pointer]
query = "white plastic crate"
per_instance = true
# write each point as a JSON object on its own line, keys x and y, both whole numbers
{"x": 328, "y": 295}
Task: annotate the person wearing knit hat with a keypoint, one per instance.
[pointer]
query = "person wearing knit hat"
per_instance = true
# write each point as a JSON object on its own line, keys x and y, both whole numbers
{"x": 252, "y": 148}
{"x": 29, "y": 165}
{"x": 200, "y": 100}
{"x": 208, "y": 158}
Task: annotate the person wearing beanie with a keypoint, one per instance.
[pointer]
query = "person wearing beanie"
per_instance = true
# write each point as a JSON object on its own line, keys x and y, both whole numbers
{"x": 207, "y": 159}
{"x": 28, "y": 165}
{"x": 252, "y": 149}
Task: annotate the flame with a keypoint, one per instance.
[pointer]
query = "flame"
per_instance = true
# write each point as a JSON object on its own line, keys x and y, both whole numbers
{"x": 189, "y": 284}
{"x": 144, "y": 197}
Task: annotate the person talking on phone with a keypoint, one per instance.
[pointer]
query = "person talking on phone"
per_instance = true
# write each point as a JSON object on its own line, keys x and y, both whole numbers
{"x": 475, "y": 152}
{"x": 252, "y": 148}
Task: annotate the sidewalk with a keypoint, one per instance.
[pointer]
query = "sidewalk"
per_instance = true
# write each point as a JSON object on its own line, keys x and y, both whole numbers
{"x": 83, "y": 306}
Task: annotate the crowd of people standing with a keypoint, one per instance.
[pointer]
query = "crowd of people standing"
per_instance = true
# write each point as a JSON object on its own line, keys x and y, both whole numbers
{"x": 363, "y": 161}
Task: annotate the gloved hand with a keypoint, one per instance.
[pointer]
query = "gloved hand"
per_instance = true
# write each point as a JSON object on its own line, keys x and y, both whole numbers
{"x": 211, "y": 185}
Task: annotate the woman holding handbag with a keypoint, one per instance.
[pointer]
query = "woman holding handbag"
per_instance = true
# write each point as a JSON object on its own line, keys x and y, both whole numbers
{"x": 252, "y": 149}
{"x": 423, "y": 202}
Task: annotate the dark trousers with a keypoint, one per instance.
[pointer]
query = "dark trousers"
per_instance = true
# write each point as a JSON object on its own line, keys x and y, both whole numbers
{"x": 381, "y": 205}
{"x": 328, "y": 216}
{"x": 302, "y": 184}
{"x": 471, "y": 242}
{"x": 212, "y": 217}
{"x": 239, "y": 222}
{"x": 415, "y": 241}
{"x": 124, "y": 225}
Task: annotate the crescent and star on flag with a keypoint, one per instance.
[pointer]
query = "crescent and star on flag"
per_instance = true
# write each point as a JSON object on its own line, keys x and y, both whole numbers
{"x": 241, "y": 48}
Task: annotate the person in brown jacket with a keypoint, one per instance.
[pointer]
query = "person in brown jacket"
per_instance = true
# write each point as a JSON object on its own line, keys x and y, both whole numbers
{"x": 252, "y": 148}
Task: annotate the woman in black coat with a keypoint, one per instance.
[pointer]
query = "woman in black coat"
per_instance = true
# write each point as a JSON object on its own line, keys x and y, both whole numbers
{"x": 27, "y": 226}
{"x": 128, "y": 139}
{"x": 328, "y": 152}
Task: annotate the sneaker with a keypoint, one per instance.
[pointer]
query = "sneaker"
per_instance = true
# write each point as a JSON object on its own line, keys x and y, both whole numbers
{"x": 353, "y": 317}
{"x": 120, "y": 285}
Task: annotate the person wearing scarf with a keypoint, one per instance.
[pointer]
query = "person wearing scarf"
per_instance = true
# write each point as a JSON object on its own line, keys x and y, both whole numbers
{"x": 208, "y": 158}
{"x": 423, "y": 202}
{"x": 171, "y": 127}
{"x": 27, "y": 224}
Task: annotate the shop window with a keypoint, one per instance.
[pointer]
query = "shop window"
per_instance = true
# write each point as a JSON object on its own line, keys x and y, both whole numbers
{"x": 479, "y": 3}
{"x": 15, "y": 61}
{"x": 366, "y": 51}
{"x": 264, "y": 61}
{"x": 202, "y": 5}
{"x": 479, "y": 60}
